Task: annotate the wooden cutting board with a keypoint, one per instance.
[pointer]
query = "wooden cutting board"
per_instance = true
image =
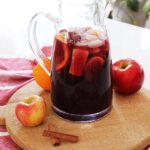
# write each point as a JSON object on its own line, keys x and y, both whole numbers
{"x": 126, "y": 127}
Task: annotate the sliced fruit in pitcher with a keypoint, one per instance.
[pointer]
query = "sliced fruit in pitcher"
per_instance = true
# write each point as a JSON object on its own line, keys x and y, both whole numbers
{"x": 105, "y": 46}
{"x": 97, "y": 52}
{"x": 61, "y": 56}
{"x": 94, "y": 50}
{"x": 79, "y": 58}
{"x": 61, "y": 37}
{"x": 93, "y": 68}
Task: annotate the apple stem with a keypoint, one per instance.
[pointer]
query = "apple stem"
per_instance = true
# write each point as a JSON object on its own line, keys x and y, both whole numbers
{"x": 124, "y": 65}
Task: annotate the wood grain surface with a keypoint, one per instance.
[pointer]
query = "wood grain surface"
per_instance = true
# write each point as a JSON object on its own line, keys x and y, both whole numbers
{"x": 126, "y": 127}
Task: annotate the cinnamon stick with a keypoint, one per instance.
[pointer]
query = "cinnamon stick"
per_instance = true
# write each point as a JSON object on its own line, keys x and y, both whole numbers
{"x": 61, "y": 136}
{"x": 55, "y": 141}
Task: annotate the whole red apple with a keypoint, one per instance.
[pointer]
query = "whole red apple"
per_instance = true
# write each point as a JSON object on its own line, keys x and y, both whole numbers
{"x": 31, "y": 111}
{"x": 128, "y": 76}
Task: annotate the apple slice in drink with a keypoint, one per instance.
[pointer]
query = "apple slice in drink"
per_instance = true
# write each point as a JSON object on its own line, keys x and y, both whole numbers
{"x": 79, "y": 58}
{"x": 105, "y": 46}
{"x": 94, "y": 50}
{"x": 93, "y": 68}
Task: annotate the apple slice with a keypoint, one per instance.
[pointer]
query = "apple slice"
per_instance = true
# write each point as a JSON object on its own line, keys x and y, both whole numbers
{"x": 94, "y": 50}
{"x": 79, "y": 58}
{"x": 105, "y": 46}
{"x": 93, "y": 68}
{"x": 61, "y": 55}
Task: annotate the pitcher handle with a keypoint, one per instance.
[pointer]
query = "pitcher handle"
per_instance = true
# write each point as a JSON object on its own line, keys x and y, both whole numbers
{"x": 32, "y": 36}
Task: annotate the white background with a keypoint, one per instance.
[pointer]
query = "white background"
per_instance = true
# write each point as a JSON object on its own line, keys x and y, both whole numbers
{"x": 14, "y": 19}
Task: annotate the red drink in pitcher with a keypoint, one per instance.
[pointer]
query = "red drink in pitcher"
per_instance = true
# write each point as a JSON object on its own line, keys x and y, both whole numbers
{"x": 81, "y": 74}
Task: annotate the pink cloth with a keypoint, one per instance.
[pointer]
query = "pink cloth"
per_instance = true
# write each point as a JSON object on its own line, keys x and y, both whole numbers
{"x": 7, "y": 144}
{"x": 14, "y": 73}
{"x": 2, "y": 129}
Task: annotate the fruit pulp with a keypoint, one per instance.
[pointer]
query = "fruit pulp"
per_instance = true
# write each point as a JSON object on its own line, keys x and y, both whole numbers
{"x": 81, "y": 74}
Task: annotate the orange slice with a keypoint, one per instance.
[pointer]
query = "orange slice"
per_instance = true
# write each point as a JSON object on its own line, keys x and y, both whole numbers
{"x": 61, "y": 55}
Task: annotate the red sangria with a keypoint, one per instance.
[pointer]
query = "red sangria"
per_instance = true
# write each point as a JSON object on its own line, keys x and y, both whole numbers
{"x": 81, "y": 74}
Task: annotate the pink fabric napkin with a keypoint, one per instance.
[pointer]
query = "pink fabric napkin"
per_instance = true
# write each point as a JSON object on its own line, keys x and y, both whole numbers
{"x": 7, "y": 144}
{"x": 14, "y": 73}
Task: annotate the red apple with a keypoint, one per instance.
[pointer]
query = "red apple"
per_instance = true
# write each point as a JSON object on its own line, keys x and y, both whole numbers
{"x": 128, "y": 76}
{"x": 31, "y": 111}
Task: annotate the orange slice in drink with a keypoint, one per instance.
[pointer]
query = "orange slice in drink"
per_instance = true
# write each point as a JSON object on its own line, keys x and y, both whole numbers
{"x": 61, "y": 55}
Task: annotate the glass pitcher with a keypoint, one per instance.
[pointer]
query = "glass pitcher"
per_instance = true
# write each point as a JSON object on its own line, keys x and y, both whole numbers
{"x": 81, "y": 87}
